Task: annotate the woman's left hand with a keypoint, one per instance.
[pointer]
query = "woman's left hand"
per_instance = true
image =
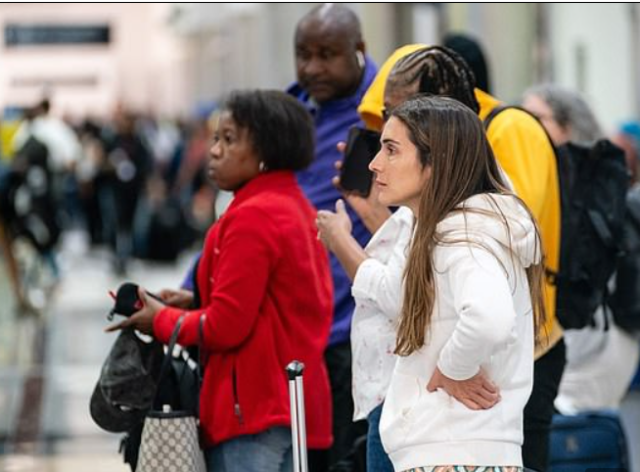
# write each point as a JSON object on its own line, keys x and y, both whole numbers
{"x": 332, "y": 226}
{"x": 476, "y": 393}
{"x": 141, "y": 320}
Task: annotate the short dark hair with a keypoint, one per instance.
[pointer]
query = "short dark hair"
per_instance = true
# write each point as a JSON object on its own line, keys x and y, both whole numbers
{"x": 279, "y": 127}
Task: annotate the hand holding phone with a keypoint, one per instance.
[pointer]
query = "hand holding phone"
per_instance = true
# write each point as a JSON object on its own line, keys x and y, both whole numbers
{"x": 362, "y": 147}
{"x": 139, "y": 308}
{"x": 127, "y": 300}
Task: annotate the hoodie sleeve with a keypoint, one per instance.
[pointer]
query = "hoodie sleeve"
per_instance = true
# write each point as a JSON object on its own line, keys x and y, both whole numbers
{"x": 378, "y": 280}
{"x": 381, "y": 284}
{"x": 484, "y": 304}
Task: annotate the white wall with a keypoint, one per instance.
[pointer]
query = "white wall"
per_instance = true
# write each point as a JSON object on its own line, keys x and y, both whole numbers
{"x": 142, "y": 66}
{"x": 592, "y": 52}
{"x": 167, "y": 57}
{"x": 252, "y": 45}
{"x": 238, "y": 45}
{"x": 507, "y": 33}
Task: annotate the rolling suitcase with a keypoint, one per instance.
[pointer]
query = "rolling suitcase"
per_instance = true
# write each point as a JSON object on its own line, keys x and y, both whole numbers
{"x": 588, "y": 441}
{"x": 298, "y": 425}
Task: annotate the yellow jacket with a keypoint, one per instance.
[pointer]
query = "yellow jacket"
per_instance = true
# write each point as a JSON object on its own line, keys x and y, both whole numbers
{"x": 535, "y": 179}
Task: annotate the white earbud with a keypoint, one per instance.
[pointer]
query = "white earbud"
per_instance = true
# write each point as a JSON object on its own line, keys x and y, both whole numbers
{"x": 360, "y": 59}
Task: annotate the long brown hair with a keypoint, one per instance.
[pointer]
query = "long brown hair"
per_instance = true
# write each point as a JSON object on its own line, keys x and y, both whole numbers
{"x": 451, "y": 139}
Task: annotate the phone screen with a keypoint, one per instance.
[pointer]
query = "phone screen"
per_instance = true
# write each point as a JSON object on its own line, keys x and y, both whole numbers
{"x": 362, "y": 147}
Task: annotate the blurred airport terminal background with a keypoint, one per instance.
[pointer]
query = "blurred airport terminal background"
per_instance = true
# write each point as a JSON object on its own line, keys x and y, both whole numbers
{"x": 150, "y": 75}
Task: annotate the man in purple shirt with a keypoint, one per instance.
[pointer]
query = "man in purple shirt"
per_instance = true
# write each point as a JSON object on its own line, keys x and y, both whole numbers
{"x": 333, "y": 74}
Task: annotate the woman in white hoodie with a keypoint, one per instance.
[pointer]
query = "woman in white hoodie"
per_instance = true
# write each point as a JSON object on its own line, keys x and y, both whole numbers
{"x": 472, "y": 295}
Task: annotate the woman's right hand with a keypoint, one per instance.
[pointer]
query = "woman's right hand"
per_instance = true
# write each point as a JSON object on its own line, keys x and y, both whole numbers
{"x": 476, "y": 393}
{"x": 177, "y": 298}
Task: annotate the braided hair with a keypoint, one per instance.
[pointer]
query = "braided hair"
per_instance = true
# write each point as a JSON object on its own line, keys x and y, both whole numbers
{"x": 435, "y": 70}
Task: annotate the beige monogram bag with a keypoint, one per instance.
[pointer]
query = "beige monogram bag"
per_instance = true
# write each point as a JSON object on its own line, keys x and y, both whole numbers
{"x": 170, "y": 444}
{"x": 170, "y": 438}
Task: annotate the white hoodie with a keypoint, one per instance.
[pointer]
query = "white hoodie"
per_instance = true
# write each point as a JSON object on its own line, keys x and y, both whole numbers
{"x": 482, "y": 319}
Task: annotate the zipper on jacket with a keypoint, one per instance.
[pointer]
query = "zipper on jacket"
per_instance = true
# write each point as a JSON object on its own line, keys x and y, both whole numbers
{"x": 236, "y": 405}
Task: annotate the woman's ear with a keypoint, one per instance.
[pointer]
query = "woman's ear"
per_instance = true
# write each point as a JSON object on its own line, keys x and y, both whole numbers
{"x": 425, "y": 176}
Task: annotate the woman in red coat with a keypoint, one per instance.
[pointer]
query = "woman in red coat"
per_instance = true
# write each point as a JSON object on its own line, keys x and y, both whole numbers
{"x": 266, "y": 290}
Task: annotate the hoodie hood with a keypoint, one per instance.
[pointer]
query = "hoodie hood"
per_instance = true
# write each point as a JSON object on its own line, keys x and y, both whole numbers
{"x": 495, "y": 221}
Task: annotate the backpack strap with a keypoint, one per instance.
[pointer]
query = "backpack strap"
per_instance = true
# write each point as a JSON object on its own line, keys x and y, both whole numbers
{"x": 502, "y": 107}
{"x": 551, "y": 275}
{"x": 495, "y": 112}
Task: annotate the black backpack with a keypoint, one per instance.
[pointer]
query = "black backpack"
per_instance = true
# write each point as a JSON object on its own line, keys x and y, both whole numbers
{"x": 625, "y": 300}
{"x": 593, "y": 184}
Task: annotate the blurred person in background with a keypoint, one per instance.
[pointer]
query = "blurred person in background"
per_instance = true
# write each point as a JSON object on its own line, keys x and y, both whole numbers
{"x": 129, "y": 165}
{"x": 6, "y": 241}
{"x": 255, "y": 324}
{"x": 162, "y": 137}
{"x": 64, "y": 153}
{"x": 601, "y": 359}
{"x": 60, "y": 139}
{"x": 10, "y": 264}
{"x": 564, "y": 114}
{"x": 190, "y": 183}
{"x": 32, "y": 198}
{"x": 627, "y": 138}
{"x": 333, "y": 73}
{"x": 90, "y": 178}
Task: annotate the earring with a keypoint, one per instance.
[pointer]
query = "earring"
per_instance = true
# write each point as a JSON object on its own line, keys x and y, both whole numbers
{"x": 360, "y": 59}
{"x": 261, "y": 166}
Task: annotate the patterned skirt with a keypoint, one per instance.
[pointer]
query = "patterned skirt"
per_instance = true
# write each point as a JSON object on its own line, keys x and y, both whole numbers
{"x": 466, "y": 468}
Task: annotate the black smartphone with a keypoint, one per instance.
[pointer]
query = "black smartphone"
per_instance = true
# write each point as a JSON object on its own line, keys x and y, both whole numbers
{"x": 362, "y": 147}
{"x": 127, "y": 301}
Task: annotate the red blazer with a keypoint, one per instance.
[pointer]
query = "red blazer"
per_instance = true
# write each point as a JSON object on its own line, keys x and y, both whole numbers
{"x": 266, "y": 290}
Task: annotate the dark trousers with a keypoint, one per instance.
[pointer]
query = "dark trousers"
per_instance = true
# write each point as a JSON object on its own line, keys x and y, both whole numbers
{"x": 342, "y": 455}
{"x": 547, "y": 373}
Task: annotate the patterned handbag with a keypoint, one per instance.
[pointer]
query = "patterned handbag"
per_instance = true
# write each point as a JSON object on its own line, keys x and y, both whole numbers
{"x": 170, "y": 438}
